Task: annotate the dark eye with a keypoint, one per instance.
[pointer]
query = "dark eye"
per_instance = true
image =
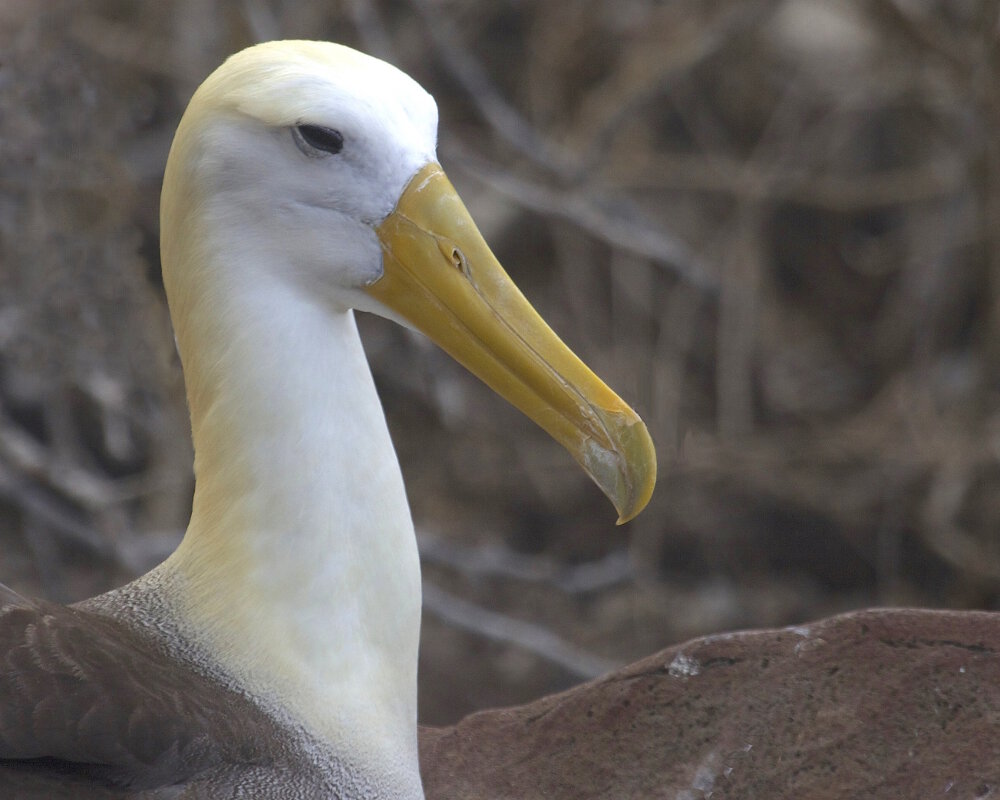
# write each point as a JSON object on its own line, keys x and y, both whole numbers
{"x": 319, "y": 137}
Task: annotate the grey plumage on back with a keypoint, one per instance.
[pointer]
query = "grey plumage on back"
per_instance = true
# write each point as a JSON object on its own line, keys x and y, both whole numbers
{"x": 91, "y": 708}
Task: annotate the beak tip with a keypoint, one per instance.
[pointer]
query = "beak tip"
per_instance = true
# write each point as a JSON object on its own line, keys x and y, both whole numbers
{"x": 636, "y": 477}
{"x": 632, "y": 510}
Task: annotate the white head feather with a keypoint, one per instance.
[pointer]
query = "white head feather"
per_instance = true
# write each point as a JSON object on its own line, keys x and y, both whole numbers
{"x": 237, "y": 164}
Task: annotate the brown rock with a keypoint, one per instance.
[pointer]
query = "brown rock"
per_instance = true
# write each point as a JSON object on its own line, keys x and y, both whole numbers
{"x": 872, "y": 704}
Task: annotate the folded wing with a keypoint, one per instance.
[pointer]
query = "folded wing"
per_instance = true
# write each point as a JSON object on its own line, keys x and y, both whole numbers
{"x": 85, "y": 698}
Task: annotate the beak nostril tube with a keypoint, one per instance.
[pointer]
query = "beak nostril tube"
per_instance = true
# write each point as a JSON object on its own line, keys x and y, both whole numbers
{"x": 458, "y": 259}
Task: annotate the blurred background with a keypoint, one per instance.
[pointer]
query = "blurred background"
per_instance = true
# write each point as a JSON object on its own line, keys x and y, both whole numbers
{"x": 771, "y": 225}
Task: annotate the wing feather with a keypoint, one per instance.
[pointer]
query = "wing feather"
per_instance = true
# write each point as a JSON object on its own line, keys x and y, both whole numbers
{"x": 80, "y": 688}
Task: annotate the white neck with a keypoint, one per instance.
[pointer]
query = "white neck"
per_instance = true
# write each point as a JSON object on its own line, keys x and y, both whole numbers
{"x": 300, "y": 569}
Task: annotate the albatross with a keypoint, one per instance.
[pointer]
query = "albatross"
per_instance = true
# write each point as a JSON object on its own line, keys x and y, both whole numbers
{"x": 274, "y": 653}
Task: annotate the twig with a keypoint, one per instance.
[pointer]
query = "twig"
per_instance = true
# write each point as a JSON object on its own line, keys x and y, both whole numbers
{"x": 505, "y": 120}
{"x": 528, "y": 636}
{"x": 34, "y": 502}
{"x": 494, "y": 560}
{"x": 648, "y": 67}
{"x": 925, "y": 35}
{"x": 30, "y": 459}
{"x": 617, "y": 222}
{"x": 752, "y": 180}
{"x": 943, "y": 531}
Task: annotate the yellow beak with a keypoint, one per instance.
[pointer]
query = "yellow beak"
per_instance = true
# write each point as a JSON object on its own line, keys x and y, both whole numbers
{"x": 440, "y": 275}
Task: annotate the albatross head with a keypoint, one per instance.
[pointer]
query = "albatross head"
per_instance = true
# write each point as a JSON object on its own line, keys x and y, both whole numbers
{"x": 315, "y": 165}
{"x": 304, "y": 147}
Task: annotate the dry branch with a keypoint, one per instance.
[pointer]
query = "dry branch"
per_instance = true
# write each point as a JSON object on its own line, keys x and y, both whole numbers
{"x": 528, "y": 636}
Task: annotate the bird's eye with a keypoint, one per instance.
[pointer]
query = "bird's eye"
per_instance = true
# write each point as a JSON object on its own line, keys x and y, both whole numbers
{"x": 311, "y": 138}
